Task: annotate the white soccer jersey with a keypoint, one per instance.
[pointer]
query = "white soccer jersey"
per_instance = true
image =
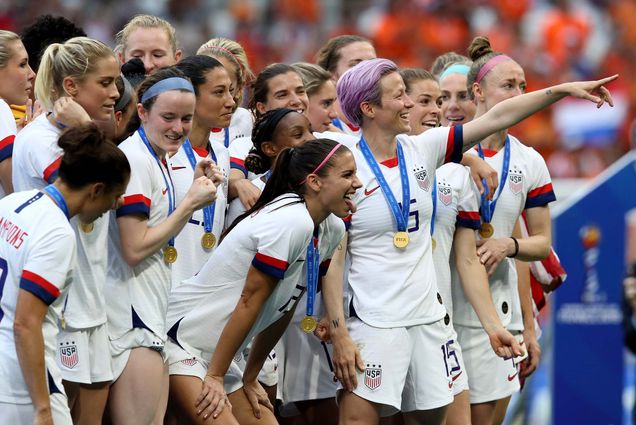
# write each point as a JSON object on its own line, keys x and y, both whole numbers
{"x": 239, "y": 149}
{"x": 274, "y": 240}
{"x": 37, "y": 252}
{"x": 140, "y": 293}
{"x": 240, "y": 126}
{"x": 457, "y": 205}
{"x": 236, "y": 207}
{"x": 394, "y": 287}
{"x": 36, "y": 161}
{"x": 191, "y": 254}
{"x": 8, "y": 130}
{"x": 348, "y": 129}
{"x": 528, "y": 185}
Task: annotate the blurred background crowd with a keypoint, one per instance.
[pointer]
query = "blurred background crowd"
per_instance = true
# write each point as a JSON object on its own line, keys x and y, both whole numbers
{"x": 554, "y": 40}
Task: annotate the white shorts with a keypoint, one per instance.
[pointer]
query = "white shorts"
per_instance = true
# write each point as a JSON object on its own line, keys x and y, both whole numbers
{"x": 490, "y": 377}
{"x": 456, "y": 367}
{"x": 23, "y": 414}
{"x": 180, "y": 362}
{"x": 268, "y": 375}
{"x": 307, "y": 370}
{"x": 84, "y": 355}
{"x": 406, "y": 368}
{"x": 135, "y": 338}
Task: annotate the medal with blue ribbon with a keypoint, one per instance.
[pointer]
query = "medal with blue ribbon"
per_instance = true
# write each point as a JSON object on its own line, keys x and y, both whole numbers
{"x": 169, "y": 252}
{"x": 400, "y": 212}
{"x": 487, "y": 208}
{"x": 59, "y": 200}
{"x": 308, "y": 323}
{"x": 208, "y": 240}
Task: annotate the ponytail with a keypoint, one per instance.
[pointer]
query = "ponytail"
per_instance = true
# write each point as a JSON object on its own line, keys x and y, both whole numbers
{"x": 291, "y": 169}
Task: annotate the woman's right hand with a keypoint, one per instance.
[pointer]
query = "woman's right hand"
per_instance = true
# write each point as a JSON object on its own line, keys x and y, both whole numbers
{"x": 594, "y": 91}
{"x": 212, "y": 399}
{"x": 247, "y": 193}
{"x": 69, "y": 113}
{"x": 201, "y": 193}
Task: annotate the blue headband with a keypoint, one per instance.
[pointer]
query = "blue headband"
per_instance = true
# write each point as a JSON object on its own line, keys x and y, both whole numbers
{"x": 455, "y": 69}
{"x": 172, "y": 83}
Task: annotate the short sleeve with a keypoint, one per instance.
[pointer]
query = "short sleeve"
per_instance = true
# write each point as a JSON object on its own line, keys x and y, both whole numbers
{"x": 48, "y": 265}
{"x": 468, "y": 204}
{"x": 440, "y": 145}
{"x": 239, "y": 149}
{"x": 136, "y": 199}
{"x": 8, "y": 131}
{"x": 540, "y": 191}
{"x": 281, "y": 239}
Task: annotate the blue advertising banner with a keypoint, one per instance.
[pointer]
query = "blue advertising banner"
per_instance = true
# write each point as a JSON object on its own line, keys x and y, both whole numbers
{"x": 591, "y": 235}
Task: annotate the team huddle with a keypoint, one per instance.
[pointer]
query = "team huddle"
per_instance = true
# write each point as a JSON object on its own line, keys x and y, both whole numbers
{"x": 349, "y": 248}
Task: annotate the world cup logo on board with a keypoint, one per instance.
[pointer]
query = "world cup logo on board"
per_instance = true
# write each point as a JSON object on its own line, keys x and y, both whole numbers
{"x": 68, "y": 354}
{"x": 590, "y": 239}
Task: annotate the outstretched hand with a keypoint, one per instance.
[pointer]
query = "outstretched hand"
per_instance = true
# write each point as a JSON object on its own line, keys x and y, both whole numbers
{"x": 594, "y": 91}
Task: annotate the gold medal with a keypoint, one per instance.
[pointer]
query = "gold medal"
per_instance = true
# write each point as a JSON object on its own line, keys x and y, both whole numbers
{"x": 170, "y": 254}
{"x": 87, "y": 227}
{"x": 63, "y": 321}
{"x": 401, "y": 240}
{"x": 308, "y": 324}
{"x": 486, "y": 230}
{"x": 208, "y": 240}
{"x": 433, "y": 243}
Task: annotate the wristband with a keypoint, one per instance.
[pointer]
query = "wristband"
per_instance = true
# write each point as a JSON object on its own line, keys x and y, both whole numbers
{"x": 514, "y": 254}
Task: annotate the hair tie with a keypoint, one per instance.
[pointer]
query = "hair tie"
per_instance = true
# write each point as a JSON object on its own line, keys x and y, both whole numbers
{"x": 168, "y": 84}
{"x": 489, "y": 65}
{"x": 125, "y": 97}
{"x": 458, "y": 68}
{"x": 322, "y": 164}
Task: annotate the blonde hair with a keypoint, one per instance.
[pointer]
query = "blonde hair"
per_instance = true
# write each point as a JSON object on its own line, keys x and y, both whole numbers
{"x": 75, "y": 58}
{"x": 6, "y": 38}
{"x": 234, "y": 52}
{"x": 313, "y": 76}
{"x": 145, "y": 21}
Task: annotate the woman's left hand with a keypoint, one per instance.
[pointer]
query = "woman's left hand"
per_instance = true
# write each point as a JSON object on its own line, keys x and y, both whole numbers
{"x": 491, "y": 252}
{"x": 257, "y": 396}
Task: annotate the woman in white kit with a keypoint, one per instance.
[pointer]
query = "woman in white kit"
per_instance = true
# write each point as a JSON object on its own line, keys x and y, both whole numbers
{"x": 391, "y": 276}
{"x": 17, "y": 83}
{"x": 250, "y": 285}
{"x": 141, "y": 246}
{"x": 76, "y": 77}
{"x": 37, "y": 269}
{"x": 214, "y": 106}
{"x": 454, "y": 220}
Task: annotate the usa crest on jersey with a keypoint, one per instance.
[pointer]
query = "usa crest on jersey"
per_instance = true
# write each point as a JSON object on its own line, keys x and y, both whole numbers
{"x": 515, "y": 179}
{"x": 68, "y": 355}
{"x": 444, "y": 193}
{"x": 421, "y": 175}
{"x": 373, "y": 376}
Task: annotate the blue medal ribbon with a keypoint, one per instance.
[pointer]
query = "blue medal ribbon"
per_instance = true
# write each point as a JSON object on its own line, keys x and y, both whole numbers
{"x": 434, "y": 195}
{"x": 313, "y": 265}
{"x": 336, "y": 122}
{"x": 208, "y": 212}
{"x": 59, "y": 200}
{"x": 487, "y": 209}
{"x": 400, "y": 212}
{"x": 226, "y": 137}
{"x": 167, "y": 180}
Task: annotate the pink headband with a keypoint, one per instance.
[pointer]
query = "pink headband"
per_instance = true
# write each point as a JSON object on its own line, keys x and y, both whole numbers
{"x": 322, "y": 164}
{"x": 206, "y": 46}
{"x": 489, "y": 65}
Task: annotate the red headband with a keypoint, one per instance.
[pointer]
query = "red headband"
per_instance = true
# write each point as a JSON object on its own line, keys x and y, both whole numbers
{"x": 489, "y": 65}
{"x": 324, "y": 161}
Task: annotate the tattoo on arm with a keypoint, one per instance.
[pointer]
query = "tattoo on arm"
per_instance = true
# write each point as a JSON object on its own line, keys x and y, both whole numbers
{"x": 335, "y": 323}
{"x": 548, "y": 92}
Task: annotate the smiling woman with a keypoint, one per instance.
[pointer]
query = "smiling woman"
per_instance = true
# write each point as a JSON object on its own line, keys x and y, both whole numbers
{"x": 141, "y": 244}
{"x": 78, "y": 75}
